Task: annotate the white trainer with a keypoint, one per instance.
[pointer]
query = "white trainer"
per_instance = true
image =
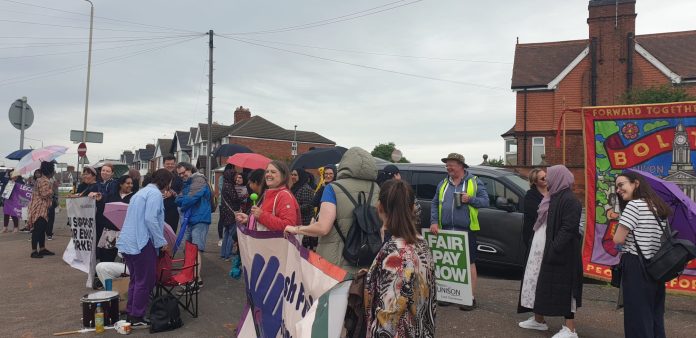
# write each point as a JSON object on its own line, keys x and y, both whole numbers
{"x": 565, "y": 333}
{"x": 220, "y": 243}
{"x": 533, "y": 325}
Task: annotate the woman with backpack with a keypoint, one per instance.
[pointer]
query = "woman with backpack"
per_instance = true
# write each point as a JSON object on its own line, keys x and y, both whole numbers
{"x": 643, "y": 216}
{"x": 400, "y": 294}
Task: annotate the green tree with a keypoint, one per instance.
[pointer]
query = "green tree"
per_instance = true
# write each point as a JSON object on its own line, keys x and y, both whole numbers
{"x": 384, "y": 151}
{"x": 657, "y": 94}
{"x": 496, "y": 162}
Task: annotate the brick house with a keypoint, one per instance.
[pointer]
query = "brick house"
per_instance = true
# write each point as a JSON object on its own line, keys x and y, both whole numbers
{"x": 180, "y": 147}
{"x": 596, "y": 71}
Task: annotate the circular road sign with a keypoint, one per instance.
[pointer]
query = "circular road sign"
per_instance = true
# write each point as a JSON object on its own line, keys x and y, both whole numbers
{"x": 396, "y": 155}
{"x": 82, "y": 150}
{"x": 16, "y": 114}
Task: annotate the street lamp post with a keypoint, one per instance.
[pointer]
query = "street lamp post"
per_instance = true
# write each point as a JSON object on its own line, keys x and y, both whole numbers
{"x": 294, "y": 144}
{"x": 33, "y": 139}
{"x": 89, "y": 71}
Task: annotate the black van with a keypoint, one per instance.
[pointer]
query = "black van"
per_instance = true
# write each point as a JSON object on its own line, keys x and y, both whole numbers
{"x": 500, "y": 238}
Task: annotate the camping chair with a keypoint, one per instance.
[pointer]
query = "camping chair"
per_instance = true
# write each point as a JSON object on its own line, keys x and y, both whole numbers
{"x": 186, "y": 276}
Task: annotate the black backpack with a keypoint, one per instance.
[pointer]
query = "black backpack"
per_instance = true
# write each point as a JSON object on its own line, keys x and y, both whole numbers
{"x": 164, "y": 314}
{"x": 363, "y": 241}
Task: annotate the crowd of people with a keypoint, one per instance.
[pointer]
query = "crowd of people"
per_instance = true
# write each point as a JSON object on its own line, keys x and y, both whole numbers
{"x": 400, "y": 293}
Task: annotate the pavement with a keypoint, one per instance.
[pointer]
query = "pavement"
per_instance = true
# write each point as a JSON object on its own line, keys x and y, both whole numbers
{"x": 40, "y": 297}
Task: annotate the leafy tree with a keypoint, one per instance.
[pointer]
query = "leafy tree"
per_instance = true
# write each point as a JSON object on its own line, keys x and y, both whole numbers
{"x": 384, "y": 151}
{"x": 657, "y": 94}
{"x": 496, "y": 162}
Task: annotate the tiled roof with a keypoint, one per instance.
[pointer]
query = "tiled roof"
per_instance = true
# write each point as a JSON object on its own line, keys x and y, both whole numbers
{"x": 145, "y": 154}
{"x": 218, "y": 131}
{"x": 180, "y": 137}
{"x": 192, "y": 134}
{"x": 165, "y": 146}
{"x": 537, "y": 64}
{"x": 676, "y": 50}
{"x": 259, "y": 127}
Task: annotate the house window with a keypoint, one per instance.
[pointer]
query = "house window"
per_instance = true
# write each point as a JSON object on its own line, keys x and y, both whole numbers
{"x": 538, "y": 149}
{"x": 511, "y": 151}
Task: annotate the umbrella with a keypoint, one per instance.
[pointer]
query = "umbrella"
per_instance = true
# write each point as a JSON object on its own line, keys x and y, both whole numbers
{"x": 249, "y": 160}
{"x": 683, "y": 218}
{"x": 18, "y": 154}
{"x": 32, "y": 160}
{"x": 230, "y": 149}
{"x": 318, "y": 157}
{"x": 116, "y": 213}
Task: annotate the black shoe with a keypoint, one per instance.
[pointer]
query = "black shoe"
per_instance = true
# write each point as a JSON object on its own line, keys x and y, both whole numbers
{"x": 45, "y": 252}
{"x": 35, "y": 254}
{"x": 97, "y": 284}
{"x": 469, "y": 307}
{"x": 25, "y": 229}
{"x": 441, "y": 303}
{"x": 49, "y": 238}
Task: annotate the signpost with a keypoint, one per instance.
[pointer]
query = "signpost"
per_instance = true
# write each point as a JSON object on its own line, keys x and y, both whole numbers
{"x": 91, "y": 136}
{"x": 21, "y": 117}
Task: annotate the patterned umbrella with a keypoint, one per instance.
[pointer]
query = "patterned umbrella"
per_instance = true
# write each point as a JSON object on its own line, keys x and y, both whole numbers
{"x": 32, "y": 160}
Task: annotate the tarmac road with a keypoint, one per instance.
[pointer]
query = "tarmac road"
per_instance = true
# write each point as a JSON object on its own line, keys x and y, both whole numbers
{"x": 39, "y": 297}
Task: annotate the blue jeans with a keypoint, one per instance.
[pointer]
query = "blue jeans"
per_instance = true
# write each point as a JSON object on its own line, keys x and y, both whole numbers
{"x": 197, "y": 234}
{"x": 228, "y": 238}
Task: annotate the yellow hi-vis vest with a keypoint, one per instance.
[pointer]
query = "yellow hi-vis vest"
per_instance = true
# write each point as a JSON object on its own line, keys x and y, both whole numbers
{"x": 471, "y": 188}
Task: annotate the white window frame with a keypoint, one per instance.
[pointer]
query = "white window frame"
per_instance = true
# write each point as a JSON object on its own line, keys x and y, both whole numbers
{"x": 538, "y": 149}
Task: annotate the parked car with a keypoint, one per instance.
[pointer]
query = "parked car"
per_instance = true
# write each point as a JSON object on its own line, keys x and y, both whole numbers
{"x": 500, "y": 238}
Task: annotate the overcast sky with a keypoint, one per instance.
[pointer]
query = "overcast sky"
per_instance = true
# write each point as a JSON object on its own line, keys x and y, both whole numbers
{"x": 148, "y": 81}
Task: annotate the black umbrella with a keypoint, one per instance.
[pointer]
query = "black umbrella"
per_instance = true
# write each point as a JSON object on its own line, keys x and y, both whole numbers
{"x": 226, "y": 150}
{"x": 18, "y": 154}
{"x": 318, "y": 157}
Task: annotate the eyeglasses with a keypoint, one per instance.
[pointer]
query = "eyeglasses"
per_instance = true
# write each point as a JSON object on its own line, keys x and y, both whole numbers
{"x": 181, "y": 174}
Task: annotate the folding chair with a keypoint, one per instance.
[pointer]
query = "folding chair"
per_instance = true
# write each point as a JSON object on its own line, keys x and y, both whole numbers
{"x": 186, "y": 276}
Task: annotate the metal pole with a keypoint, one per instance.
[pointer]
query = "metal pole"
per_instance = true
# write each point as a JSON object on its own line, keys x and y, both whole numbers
{"x": 210, "y": 105}
{"x": 89, "y": 72}
{"x": 21, "y": 120}
{"x": 294, "y": 144}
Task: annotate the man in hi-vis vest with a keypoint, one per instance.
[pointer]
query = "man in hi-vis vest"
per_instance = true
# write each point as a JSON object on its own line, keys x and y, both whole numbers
{"x": 460, "y": 214}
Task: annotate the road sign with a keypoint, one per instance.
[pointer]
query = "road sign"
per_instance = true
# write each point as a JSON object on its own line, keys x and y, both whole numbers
{"x": 16, "y": 114}
{"x": 82, "y": 150}
{"x": 396, "y": 155}
{"x": 92, "y": 136}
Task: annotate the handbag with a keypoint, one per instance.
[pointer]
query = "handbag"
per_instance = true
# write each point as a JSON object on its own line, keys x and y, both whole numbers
{"x": 671, "y": 259}
{"x": 616, "y": 271}
{"x": 108, "y": 239}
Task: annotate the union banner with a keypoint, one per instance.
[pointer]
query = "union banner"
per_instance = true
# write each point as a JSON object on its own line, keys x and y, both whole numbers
{"x": 655, "y": 138}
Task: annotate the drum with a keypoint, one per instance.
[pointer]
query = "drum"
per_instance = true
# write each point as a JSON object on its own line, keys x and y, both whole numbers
{"x": 109, "y": 304}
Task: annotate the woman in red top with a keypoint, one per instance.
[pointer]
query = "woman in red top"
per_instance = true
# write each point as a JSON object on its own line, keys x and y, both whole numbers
{"x": 278, "y": 207}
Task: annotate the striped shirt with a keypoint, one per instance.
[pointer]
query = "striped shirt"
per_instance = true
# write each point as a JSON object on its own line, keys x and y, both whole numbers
{"x": 643, "y": 228}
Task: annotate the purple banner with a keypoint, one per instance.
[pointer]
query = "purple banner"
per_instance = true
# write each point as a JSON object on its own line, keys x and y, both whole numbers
{"x": 20, "y": 198}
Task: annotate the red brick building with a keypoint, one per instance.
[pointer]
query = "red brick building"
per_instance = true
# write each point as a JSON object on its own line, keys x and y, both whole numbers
{"x": 595, "y": 71}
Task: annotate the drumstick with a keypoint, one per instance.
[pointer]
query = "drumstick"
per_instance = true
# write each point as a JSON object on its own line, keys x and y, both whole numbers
{"x": 73, "y": 332}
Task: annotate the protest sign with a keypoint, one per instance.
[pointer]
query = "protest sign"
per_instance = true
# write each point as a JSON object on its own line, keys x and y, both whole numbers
{"x": 450, "y": 251}
{"x": 7, "y": 189}
{"x": 656, "y": 138}
{"x": 81, "y": 250}
{"x": 284, "y": 282}
{"x": 19, "y": 197}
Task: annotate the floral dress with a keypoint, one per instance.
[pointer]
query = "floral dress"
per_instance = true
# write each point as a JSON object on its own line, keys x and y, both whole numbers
{"x": 400, "y": 291}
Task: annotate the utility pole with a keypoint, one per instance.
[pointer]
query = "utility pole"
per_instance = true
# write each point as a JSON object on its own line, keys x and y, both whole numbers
{"x": 210, "y": 107}
{"x": 89, "y": 71}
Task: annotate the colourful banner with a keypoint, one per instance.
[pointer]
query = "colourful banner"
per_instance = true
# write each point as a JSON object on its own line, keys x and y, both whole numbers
{"x": 285, "y": 284}
{"x": 656, "y": 138}
{"x": 19, "y": 198}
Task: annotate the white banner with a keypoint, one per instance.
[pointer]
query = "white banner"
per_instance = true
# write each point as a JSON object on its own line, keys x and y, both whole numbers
{"x": 81, "y": 250}
{"x": 283, "y": 281}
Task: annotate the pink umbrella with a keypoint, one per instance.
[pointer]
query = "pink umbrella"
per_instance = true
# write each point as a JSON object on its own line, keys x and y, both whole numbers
{"x": 116, "y": 213}
{"x": 249, "y": 160}
{"x": 32, "y": 160}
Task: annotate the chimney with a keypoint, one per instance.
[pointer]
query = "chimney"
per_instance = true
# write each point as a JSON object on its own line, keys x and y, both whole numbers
{"x": 241, "y": 114}
{"x": 612, "y": 24}
{"x": 150, "y": 146}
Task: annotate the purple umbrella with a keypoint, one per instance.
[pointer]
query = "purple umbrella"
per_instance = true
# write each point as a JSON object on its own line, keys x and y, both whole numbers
{"x": 683, "y": 218}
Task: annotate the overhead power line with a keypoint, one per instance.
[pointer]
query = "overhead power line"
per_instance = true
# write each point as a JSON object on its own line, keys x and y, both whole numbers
{"x": 342, "y": 18}
{"x": 377, "y": 53}
{"x": 98, "y": 41}
{"x": 63, "y": 70}
{"x": 363, "y": 66}
{"x": 100, "y": 17}
{"x": 78, "y": 27}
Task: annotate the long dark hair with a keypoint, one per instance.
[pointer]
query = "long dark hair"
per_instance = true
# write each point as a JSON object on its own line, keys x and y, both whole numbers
{"x": 396, "y": 199}
{"x": 121, "y": 181}
{"x": 256, "y": 177}
{"x": 645, "y": 192}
